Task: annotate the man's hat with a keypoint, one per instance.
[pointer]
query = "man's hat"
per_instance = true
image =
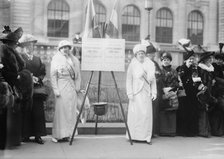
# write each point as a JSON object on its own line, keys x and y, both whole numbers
{"x": 205, "y": 55}
{"x": 12, "y": 36}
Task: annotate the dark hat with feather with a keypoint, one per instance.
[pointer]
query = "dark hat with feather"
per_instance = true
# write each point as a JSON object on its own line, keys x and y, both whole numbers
{"x": 205, "y": 55}
{"x": 9, "y": 36}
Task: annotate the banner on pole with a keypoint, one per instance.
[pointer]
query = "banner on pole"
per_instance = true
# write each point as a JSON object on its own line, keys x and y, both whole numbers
{"x": 103, "y": 54}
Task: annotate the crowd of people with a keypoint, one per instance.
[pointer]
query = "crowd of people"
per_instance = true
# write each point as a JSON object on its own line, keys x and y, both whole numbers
{"x": 163, "y": 100}
{"x": 185, "y": 101}
{"x": 22, "y": 92}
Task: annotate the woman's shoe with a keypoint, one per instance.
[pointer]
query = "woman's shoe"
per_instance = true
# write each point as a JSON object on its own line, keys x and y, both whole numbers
{"x": 39, "y": 140}
{"x": 26, "y": 139}
{"x": 54, "y": 140}
{"x": 149, "y": 142}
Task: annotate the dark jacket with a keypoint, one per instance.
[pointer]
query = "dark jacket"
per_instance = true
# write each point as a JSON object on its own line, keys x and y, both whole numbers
{"x": 13, "y": 63}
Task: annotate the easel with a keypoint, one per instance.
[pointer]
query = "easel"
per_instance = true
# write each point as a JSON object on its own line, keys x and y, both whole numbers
{"x": 86, "y": 92}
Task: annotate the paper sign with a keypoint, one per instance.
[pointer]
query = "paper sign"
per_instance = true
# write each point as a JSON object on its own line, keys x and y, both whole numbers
{"x": 103, "y": 54}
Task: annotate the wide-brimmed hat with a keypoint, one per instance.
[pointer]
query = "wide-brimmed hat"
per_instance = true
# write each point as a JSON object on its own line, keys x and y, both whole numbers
{"x": 12, "y": 36}
{"x": 139, "y": 47}
{"x": 64, "y": 43}
{"x": 205, "y": 55}
{"x": 188, "y": 54}
{"x": 26, "y": 39}
{"x": 165, "y": 55}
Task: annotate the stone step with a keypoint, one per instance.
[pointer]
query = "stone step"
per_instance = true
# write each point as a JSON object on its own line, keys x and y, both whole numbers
{"x": 102, "y": 128}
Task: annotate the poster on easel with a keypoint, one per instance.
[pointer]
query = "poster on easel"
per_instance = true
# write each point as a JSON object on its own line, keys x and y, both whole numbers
{"x": 103, "y": 54}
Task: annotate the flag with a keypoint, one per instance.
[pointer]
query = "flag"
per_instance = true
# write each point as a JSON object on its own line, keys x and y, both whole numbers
{"x": 112, "y": 26}
{"x": 91, "y": 29}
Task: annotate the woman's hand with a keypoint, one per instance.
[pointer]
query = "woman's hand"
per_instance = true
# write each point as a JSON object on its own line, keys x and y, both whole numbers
{"x": 57, "y": 94}
{"x": 153, "y": 97}
{"x": 35, "y": 79}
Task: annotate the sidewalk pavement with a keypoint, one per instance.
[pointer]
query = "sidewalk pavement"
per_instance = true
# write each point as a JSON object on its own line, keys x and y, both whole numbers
{"x": 118, "y": 147}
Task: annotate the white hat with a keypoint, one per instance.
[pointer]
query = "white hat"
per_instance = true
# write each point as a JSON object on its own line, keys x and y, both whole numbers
{"x": 26, "y": 39}
{"x": 139, "y": 47}
{"x": 64, "y": 43}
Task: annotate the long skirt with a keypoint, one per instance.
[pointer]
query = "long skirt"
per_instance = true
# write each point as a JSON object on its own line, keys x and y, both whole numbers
{"x": 14, "y": 126}
{"x": 3, "y": 128}
{"x": 65, "y": 109}
{"x": 38, "y": 117}
{"x": 204, "y": 125}
{"x": 140, "y": 117}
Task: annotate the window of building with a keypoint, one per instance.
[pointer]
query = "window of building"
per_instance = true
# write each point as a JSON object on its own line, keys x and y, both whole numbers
{"x": 131, "y": 23}
{"x": 164, "y": 26}
{"x": 58, "y": 19}
{"x": 100, "y": 16}
{"x": 195, "y": 27}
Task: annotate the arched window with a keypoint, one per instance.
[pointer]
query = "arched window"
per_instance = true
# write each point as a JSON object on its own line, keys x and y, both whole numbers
{"x": 58, "y": 18}
{"x": 195, "y": 27}
{"x": 100, "y": 14}
{"x": 164, "y": 26}
{"x": 131, "y": 23}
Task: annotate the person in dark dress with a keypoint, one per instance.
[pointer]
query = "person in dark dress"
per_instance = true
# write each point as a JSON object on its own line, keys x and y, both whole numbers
{"x": 217, "y": 114}
{"x": 187, "y": 113}
{"x": 34, "y": 118}
{"x": 150, "y": 53}
{"x": 169, "y": 102}
{"x": 206, "y": 73}
{"x": 12, "y": 65}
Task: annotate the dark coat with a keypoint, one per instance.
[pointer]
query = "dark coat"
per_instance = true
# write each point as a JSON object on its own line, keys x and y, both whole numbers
{"x": 35, "y": 66}
{"x": 187, "y": 113}
{"x": 34, "y": 120}
{"x": 13, "y": 63}
{"x": 169, "y": 77}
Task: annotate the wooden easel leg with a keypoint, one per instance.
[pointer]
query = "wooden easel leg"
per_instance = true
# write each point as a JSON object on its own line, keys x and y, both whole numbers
{"x": 98, "y": 100}
{"x": 122, "y": 110}
{"x": 80, "y": 112}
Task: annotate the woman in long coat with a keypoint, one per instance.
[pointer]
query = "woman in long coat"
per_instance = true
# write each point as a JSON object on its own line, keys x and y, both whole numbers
{"x": 12, "y": 63}
{"x": 206, "y": 72}
{"x": 187, "y": 113}
{"x": 141, "y": 90}
{"x": 34, "y": 118}
{"x": 65, "y": 80}
{"x": 170, "y": 84}
{"x": 217, "y": 114}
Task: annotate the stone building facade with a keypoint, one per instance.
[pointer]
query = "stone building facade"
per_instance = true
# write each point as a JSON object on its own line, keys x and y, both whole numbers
{"x": 166, "y": 23}
{"x": 50, "y": 21}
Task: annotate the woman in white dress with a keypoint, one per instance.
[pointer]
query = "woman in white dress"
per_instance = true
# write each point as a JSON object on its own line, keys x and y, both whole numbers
{"x": 141, "y": 90}
{"x": 65, "y": 80}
